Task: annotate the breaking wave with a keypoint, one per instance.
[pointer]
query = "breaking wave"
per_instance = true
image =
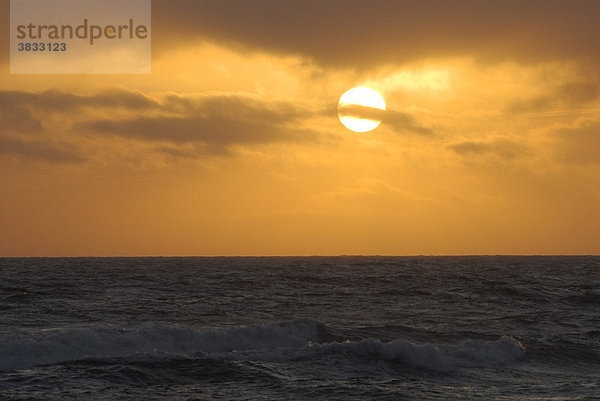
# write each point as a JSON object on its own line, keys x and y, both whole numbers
{"x": 278, "y": 342}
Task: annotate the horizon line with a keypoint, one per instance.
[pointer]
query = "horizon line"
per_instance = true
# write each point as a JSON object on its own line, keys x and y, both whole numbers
{"x": 307, "y": 256}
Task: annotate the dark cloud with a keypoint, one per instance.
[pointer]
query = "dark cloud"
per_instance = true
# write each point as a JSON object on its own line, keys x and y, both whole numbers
{"x": 572, "y": 94}
{"x": 20, "y": 111}
{"x": 208, "y": 130}
{"x": 39, "y": 150}
{"x": 358, "y": 111}
{"x": 56, "y": 101}
{"x": 212, "y": 124}
{"x": 236, "y": 107}
{"x": 193, "y": 153}
{"x": 503, "y": 148}
{"x": 405, "y": 122}
{"x": 398, "y": 121}
{"x": 578, "y": 93}
{"x": 4, "y": 35}
{"x": 470, "y": 147}
{"x": 15, "y": 114}
{"x": 579, "y": 145}
{"x": 23, "y": 103}
{"x": 215, "y": 122}
{"x": 365, "y": 33}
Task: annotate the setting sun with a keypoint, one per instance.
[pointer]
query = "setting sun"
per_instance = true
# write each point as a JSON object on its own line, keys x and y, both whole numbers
{"x": 360, "y": 109}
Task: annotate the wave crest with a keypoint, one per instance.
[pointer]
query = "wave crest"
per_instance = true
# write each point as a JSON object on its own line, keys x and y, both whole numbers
{"x": 280, "y": 342}
{"x": 56, "y": 346}
{"x": 442, "y": 358}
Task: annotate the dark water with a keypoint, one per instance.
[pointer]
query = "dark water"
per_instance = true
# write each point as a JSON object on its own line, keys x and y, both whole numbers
{"x": 339, "y": 328}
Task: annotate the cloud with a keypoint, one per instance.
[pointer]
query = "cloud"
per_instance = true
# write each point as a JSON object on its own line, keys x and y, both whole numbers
{"x": 14, "y": 113}
{"x": 209, "y": 130}
{"x": 39, "y": 150}
{"x": 56, "y": 101}
{"x": 4, "y": 33}
{"x": 571, "y": 94}
{"x": 364, "y": 112}
{"x": 359, "y": 33}
{"x": 216, "y": 121}
{"x": 577, "y": 93}
{"x": 579, "y": 145}
{"x": 212, "y": 123}
{"x": 363, "y": 34}
{"x": 502, "y": 148}
{"x": 403, "y": 122}
{"x": 398, "y": 121}
{"x": 17, "y": 108}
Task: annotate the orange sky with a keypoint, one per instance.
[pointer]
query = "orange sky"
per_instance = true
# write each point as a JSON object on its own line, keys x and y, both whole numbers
{"x": 490, "y": 143}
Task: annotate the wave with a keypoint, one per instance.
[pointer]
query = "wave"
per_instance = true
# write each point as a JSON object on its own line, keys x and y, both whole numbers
{"x": 469, "y": 354}
{"x": 279, "y": 342}
{"x": 56, "y": 346}
{"x": 440, "y": 358}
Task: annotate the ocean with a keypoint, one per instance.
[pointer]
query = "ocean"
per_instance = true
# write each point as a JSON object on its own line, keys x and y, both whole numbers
{"x": 300, "y": 328}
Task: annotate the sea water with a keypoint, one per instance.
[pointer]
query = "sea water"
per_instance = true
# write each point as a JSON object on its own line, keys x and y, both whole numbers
{"x": 300, "y": 328}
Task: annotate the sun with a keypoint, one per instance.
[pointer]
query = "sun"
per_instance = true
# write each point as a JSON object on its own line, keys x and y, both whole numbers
{"x": 361, "y": 109}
